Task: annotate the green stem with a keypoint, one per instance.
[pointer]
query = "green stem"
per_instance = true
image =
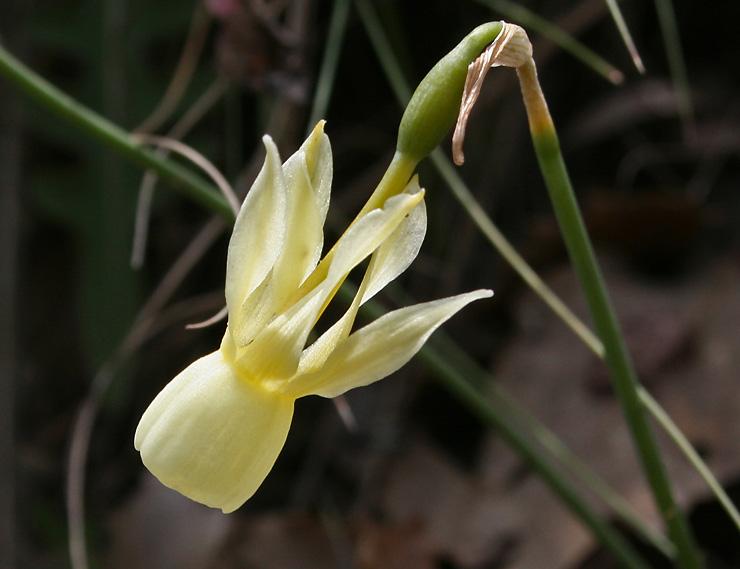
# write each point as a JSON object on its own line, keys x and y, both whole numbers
{"x": 332, "y": 51}
{"x": 675, "y": 433}
{"x": 679, "y": 75}
{"x": 101, "y": 129}
{"x": 579, "y": 328}
{"x": 522, "y": 15}
{"x": 574, "y": 233}
{"x": 624, "y": 31}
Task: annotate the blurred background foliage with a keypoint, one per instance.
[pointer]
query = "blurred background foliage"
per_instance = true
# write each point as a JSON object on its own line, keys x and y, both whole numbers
{"x": 660, "y": 199}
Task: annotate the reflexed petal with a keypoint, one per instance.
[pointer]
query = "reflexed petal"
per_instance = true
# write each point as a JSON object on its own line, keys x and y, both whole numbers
{"x": 320, "y": 166}
{"x": 276, "y": 351}
{"x": 397, "y": 252}
{"x": 388, "y": 261}
{"x": 380, "y": 348}
{"x": 213, "y": 436}
{"x": 258, "y": 236}
{"x": 368, "y": 233}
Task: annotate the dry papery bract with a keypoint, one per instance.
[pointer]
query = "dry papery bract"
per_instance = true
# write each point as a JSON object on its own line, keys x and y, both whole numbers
{"x": 511, "y": 48}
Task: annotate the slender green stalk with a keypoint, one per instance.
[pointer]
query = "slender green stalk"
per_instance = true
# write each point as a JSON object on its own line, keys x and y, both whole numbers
{"x": 332, "y": 51}
{"x": 548, "y": 296}
{"x": 624, "y": 31}
{"x": 679, "y": 75}
{"x": 105, "y": 131}
{"x": 665, "y": 421}
{"x": 385, "y": 54}
{"x": 547, "y": 148}
{"x": 520, "y": 14}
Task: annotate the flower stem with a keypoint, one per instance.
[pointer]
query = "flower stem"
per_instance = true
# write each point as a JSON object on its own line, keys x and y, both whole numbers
{"x": 676, "y": 62}
{"x": 103, "y": 130}
{"x": 624, "y": 31}
{"x": 574, "y": 233}
{"x": 332, "y": 51}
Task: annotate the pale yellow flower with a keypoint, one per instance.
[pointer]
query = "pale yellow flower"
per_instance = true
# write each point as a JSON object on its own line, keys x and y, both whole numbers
{"x": 214, "y": 432}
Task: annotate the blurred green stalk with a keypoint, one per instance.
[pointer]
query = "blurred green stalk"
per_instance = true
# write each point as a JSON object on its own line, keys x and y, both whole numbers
{"x": 100, "y": 128}
{"x": 552, "y": 166}
{"x": 332, "y": 51}
{"x": 679, "y": 74}
{"x": 624, "y": 31}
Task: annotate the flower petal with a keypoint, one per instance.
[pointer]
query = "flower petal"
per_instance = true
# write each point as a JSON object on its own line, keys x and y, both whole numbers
{"x": 397, "y": 252}
{"x": 380, "y": 348}
{"x": 369, "y": 233}
{"x": 258, "y": 235}
{"x": 388, "y": 261}
{"x": 213, "y": 436}
{"x": 276, "y": 351}
{"x": 320, "y": 166}
{"x": 306, "y": 212}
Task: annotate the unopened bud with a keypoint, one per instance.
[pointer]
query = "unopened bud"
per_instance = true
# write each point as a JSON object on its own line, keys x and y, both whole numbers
{"x": 434, "y": 105}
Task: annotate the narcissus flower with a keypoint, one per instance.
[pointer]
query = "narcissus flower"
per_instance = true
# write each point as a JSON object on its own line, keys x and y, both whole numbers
{"x": 215, "y": 431}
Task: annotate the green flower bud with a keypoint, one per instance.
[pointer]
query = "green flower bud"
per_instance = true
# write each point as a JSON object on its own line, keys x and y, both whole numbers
{"x": 433, "y": 108}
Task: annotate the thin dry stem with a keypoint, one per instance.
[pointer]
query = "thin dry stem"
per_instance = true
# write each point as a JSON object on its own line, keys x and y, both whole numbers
{"x": 346, "y": 415}
{"x": 148, "y": 183}
{"x": 186, "y": 66}
{"x": 196, "y": 158}
{"x": 210, "y": 321}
